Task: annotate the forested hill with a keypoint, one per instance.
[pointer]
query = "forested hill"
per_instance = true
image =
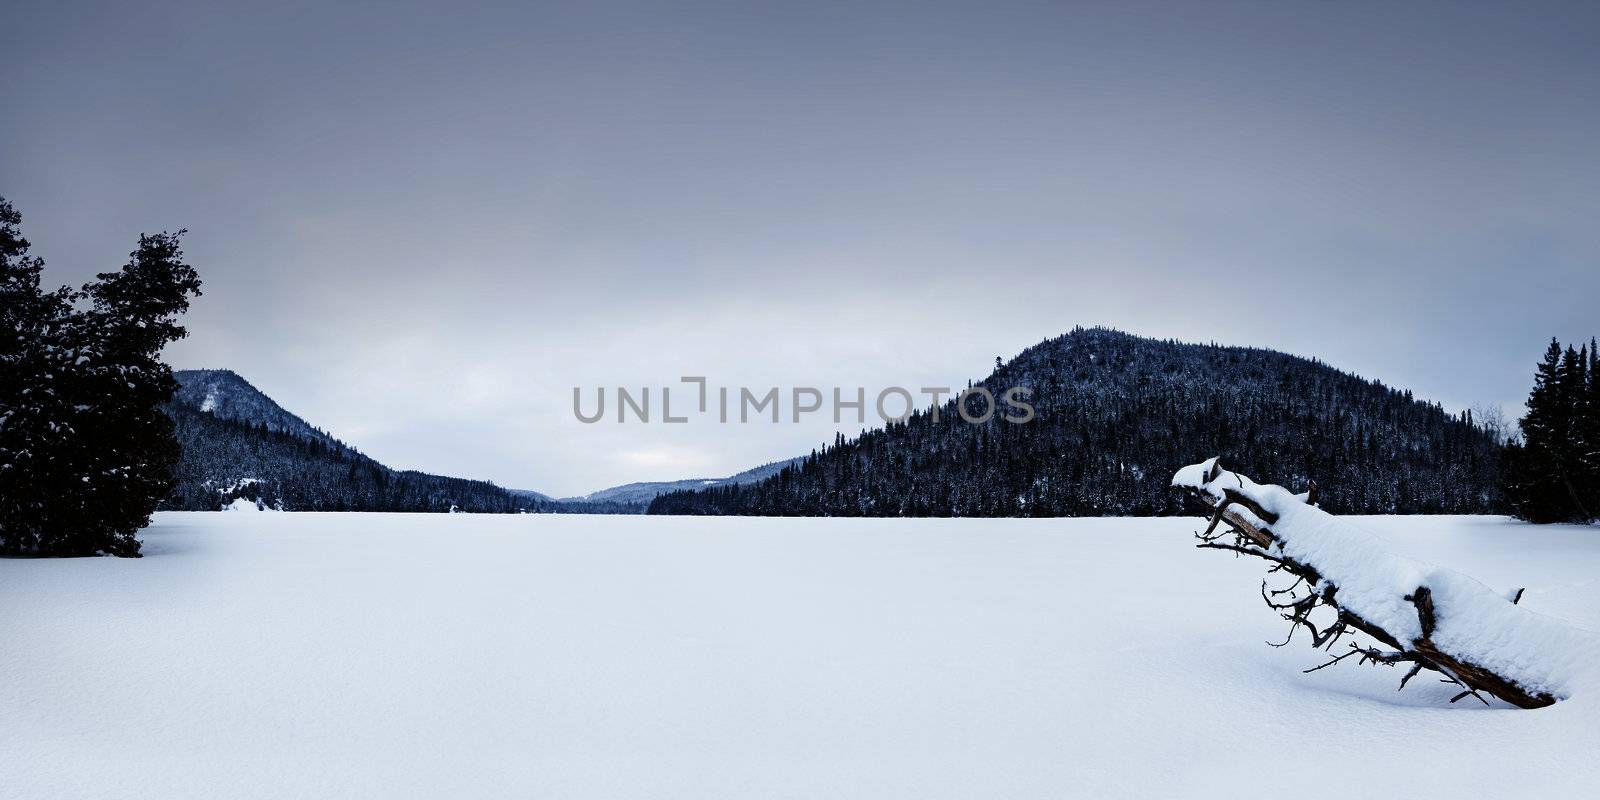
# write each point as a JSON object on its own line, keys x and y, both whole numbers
{"x": 238, "y": 443}
{"x": 1116, "y": 415}
{"x": 224, "y": 395}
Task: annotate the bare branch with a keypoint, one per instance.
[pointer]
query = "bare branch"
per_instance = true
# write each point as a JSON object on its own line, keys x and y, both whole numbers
{"x": 1336, "y": 659}
{"x": 1415, "y": 668}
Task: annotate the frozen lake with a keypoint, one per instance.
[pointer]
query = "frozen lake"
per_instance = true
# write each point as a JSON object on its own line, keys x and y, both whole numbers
{"x": 373, "y": 655}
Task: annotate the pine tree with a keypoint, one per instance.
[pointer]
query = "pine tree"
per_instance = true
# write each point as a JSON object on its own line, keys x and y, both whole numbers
{"x": 85, "y": 452}
{"x": 1550, "y": 477}
{"x": 1533, "y": 469}
{"x": 20, "y": 303}
{"x": 31, "y": 405}
{"x": 129, "y": 463}
{"x": 1574, "y": 399}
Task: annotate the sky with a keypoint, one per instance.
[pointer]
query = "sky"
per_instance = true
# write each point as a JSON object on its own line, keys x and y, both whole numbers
{"x": 420, "y": 226}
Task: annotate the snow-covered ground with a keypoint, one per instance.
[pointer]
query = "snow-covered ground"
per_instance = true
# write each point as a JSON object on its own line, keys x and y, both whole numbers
{"x": 371, "y": 655}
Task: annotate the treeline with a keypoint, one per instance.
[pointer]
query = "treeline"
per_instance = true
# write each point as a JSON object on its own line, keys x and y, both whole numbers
{"x": 1115, "y": 412}
{"x": 1553, "y": 475}
{"x": 590, "y": 507}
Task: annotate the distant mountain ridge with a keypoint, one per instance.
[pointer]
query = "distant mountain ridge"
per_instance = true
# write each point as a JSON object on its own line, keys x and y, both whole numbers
{"x": 1116, "y": 413}
{"x": 239, "y": 444}
{"x": 643, "y": 492}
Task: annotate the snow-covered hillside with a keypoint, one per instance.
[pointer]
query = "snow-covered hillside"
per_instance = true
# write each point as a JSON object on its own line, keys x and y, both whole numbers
{"x": 371, "y": 655}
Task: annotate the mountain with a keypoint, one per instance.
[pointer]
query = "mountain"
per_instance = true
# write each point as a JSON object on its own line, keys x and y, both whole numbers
{"x": 640, "y": 494}
{"x": 239, "y": 444}
{"x": 757, "y": 474}
{"x": 224, "y": 395}
{"x": 1116, "y": 414}
{"x": 532, "y": 495}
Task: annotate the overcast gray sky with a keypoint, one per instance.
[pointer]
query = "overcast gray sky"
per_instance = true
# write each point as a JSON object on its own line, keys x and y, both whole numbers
{"x": 421, "y": 225}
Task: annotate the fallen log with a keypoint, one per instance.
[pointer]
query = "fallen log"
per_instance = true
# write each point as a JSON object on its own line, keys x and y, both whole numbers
{"x": 1429, "y": 618}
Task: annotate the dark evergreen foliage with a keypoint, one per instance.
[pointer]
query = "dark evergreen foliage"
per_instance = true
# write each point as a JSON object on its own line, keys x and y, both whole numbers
{"x": 1116, "y": 415}
{"x": 1553, "y": 475}
{"x": 593, "y": 507}
{"x": 31, "y": 409}
{"x": 85, "y": 452}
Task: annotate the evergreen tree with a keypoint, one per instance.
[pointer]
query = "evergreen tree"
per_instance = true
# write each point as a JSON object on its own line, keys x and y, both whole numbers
{"x": 128, "y": 463}
{"x": 1550, "y": 477}
{"x": 90, "y": 454}
{"x": 1574, "y": 397}
{"x": 31, "y": 402}
{"x": 1533, "y": 468}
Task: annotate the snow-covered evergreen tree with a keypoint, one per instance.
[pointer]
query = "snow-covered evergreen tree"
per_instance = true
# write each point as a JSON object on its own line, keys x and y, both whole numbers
{"x": 85, "y": 452}
{"x": 32, "y": 407}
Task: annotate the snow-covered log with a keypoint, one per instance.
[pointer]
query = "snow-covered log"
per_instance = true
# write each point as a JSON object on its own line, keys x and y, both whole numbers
{"x": 1427, "y": 617}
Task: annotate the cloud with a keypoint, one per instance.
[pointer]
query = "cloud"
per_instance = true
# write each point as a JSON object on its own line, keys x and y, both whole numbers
{"x": 422, "y": 234}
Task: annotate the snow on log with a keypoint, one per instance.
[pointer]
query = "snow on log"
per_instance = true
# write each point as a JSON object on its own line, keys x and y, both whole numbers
{"x": 1427, "y": 617}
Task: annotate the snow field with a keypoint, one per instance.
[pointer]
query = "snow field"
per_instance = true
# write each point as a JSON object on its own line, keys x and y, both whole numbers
{"x": 374, "y": 655}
